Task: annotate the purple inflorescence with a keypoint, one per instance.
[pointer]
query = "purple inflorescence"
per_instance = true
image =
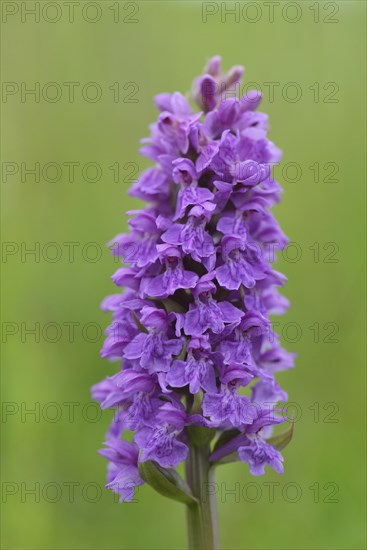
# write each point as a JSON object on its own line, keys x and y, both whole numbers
{"x": 191, "y": 327}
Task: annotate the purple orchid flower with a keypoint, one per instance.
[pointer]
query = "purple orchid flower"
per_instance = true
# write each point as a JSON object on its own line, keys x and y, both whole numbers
{"x": 139, "y": 248}
{"x": 192, "y": 236}
{"x": 160, "y": 442}
{"x": 228, "y": 408}
{"x": 197, "y": 371}
{"x": 153, "y": 351}
{"x": 257, "y": 453}
{"x": 123, "y": 475}
{"x": 174, "y": 277}
{"x": 198, "y": 359}
{"x": 242, "y": 264}
{"x": 206, "y": 313}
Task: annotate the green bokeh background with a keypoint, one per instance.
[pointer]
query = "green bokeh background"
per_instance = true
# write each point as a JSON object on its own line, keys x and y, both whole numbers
{"x": 164, "y": 50}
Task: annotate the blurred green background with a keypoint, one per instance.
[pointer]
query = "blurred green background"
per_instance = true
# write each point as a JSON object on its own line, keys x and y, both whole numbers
{"x": 150, "y": 47}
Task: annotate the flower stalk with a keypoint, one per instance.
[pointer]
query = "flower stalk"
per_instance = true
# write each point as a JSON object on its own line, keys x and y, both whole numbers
{"x": 201, "y": 515}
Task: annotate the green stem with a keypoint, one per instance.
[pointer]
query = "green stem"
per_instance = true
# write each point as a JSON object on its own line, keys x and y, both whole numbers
{"x": 201, "y": 517}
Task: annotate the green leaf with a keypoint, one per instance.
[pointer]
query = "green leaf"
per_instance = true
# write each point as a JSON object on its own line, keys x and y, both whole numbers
{"x": 182, "y": 355}
{"x": 281, "y": 440}
{"x": 201, "y": 436}
{"x": 138, "y": 323}
{"x": 166, "y": 481}
{"x": 172, "y": 306}
{"x": 233, "y": 457}
{"x": 197, "y": 404}
{"x": 225, "y": 437}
